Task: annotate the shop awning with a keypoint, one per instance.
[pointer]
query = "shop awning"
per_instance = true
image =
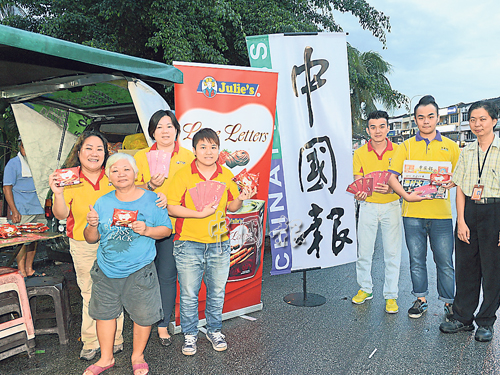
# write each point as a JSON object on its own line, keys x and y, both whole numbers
{"x": 33, "y": 64}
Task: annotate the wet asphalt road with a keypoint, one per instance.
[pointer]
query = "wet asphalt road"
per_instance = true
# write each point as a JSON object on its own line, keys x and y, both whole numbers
{"x": 335, "y": 338}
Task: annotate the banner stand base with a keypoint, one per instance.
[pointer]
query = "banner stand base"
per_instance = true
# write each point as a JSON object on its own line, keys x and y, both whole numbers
{"x": 311, "y": 299}
{"x": 304, "y": 299}
{"x": 175, "y": 329}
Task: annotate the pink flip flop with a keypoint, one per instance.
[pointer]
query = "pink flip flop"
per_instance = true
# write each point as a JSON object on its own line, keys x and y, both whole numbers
{"x": 140, "y": 366}
{"x": 96, "y": 370}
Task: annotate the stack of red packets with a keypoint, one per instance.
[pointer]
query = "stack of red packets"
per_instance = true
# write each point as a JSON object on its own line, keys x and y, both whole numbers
{"x": 159, "y": 162}
{"x": 367, "y": 183}
{"x": 207, "y": 192}
{"x": 9, "y": 230}
{"x": 33, "y": 227}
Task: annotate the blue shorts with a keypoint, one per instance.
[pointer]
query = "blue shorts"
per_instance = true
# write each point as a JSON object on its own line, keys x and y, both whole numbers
{"x": 138, "y": 293}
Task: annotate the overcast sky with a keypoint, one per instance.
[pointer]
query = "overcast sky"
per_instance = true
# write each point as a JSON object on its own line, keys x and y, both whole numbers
{"x": 447, "y": 48}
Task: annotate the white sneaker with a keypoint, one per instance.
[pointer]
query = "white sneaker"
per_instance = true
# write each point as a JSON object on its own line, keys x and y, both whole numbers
{"x": 218, "y": 340}
{"x": 189, "y": 347}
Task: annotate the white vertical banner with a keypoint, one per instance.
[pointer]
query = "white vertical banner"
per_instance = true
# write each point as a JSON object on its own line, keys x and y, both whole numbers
{"x": 313, "y": 112}
{"x": 146, "y": 102}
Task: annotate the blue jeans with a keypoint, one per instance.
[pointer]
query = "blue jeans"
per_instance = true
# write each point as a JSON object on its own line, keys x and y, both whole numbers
{"x": 196, "y": 260}
{"x": 389, "y": 217}
{"x": 440, "y": 233}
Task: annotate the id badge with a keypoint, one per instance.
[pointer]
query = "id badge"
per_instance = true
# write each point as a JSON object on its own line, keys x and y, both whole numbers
{"x": 477, "y": 191}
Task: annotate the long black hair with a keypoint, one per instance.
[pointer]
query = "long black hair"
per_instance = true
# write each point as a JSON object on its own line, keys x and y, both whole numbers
{"x": 73, "y": 160}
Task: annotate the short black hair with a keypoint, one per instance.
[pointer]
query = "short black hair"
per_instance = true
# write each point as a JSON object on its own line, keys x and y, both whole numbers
{"x": 375, "y": 115}
{"x": 426, "y": 100}
{"x": 155, "y": 119}
{"x": 208, "y": 134}
{"x": 490, "y": 107}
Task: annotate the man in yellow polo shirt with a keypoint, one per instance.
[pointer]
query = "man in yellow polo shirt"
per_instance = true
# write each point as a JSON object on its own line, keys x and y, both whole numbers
{"x": 381, "y": 208}
{"x": 201, "y": 243}
{"x": 424, "y": 217}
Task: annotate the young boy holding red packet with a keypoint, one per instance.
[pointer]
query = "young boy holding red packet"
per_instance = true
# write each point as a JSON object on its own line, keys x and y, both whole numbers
{"x": 201, "y": 243}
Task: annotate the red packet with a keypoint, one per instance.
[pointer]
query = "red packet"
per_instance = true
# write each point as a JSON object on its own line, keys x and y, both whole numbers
{"x": 68, "y": 176}
{"x": 214, "y": 192}
{"x": 163, "y": 162}
{"x": 368, "y": 185}
{"x": 359, "y": 184}
{"x": 152, "y": 162}
{"x": 202, "y": 188}
{"x": 351, "y": 188}
{"x": 375, "y": 175}
{"x": 196, "y": 198}
{"x": 122, "y": 218}
{"x": 384, "y": 179}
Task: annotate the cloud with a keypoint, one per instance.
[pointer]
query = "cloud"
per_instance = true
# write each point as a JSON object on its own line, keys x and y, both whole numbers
{"x": 445, "y": 48}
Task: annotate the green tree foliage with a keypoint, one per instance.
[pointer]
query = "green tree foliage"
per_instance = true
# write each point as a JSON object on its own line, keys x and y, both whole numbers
{"x": 210, "y": 31}
{"x": 369, "y": 84}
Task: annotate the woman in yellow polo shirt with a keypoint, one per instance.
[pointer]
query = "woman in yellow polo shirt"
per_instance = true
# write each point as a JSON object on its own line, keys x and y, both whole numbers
{"x": 164, "y": 129}
{"x": 90, "y": 153}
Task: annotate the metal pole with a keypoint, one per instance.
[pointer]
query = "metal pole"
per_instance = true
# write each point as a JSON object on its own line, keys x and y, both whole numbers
{"x": 61, "y": 143}
{"x": 304, "y": 284}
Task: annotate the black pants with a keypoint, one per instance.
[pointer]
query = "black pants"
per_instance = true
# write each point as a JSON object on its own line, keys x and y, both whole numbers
{"x": 478, "y": 263}
{"x": 167, "y": 276}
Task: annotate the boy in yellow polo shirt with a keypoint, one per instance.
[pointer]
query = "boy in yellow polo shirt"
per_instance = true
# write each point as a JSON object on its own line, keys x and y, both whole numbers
{"x": 201, "y": 247}
{"x": 423, "y": 217}
{"x": 381, "y": 208}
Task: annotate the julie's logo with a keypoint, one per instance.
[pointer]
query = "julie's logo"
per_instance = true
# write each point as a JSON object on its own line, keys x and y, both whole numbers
{"x": 210, "y": 87}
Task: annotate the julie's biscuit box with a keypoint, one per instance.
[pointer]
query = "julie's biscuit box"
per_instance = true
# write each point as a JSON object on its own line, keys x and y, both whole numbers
{"x": 246, "y": 233}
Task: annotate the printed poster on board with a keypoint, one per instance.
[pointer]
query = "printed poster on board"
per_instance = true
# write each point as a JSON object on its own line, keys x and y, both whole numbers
{"x": 239, "y": 104}
{"x": 427, "y": 177}
{"x": 311, "y": 217}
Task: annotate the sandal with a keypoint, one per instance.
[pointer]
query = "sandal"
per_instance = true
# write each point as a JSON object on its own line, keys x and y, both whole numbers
{"x": 140, "y": 366}
{"x": 96, "y": 370}
{"x": 167, "y": 341}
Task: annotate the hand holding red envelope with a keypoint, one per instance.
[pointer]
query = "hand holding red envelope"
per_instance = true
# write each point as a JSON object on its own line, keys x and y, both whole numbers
{"x": 159, "y": 162}
{"x": 369, "y": 182}
{"x": 207, "y": 192}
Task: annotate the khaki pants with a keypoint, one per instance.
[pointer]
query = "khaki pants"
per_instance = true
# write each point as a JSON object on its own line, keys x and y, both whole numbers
{"x": 84, "y": 255}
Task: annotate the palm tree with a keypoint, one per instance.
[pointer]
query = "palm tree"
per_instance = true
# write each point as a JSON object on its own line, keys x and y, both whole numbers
{"x": 369, "y": 85}
{"x": 7, "y": 10}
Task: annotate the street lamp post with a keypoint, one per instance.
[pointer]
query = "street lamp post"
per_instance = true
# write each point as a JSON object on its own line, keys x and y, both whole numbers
{"x": 413, "y": 97}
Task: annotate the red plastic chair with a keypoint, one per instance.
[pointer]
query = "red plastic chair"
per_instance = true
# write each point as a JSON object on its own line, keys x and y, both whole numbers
{"x": 16, "y": 335}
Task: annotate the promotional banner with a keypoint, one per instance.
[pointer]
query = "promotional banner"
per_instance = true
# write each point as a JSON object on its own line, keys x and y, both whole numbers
{"x": 239, "y": 104}
{"x": 311, "y": 216}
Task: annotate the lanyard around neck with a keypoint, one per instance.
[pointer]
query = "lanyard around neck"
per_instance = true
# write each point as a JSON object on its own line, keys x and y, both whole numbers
{"x": 480, "y": 168}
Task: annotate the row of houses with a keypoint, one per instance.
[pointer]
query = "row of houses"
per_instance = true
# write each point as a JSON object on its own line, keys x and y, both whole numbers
{"x": 453, "y": 123}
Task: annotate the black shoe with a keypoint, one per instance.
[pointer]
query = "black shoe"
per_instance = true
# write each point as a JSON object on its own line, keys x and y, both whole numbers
{"x": 418, "y": 308}
{"x": 454, "y": 326}
{"x": 165, "y": 341}
{"x": 484, "y": 333}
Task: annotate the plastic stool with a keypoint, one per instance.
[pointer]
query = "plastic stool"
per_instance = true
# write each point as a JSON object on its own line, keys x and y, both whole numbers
{"x": 56, "y": 288}
{"x": 16, "y": 335}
